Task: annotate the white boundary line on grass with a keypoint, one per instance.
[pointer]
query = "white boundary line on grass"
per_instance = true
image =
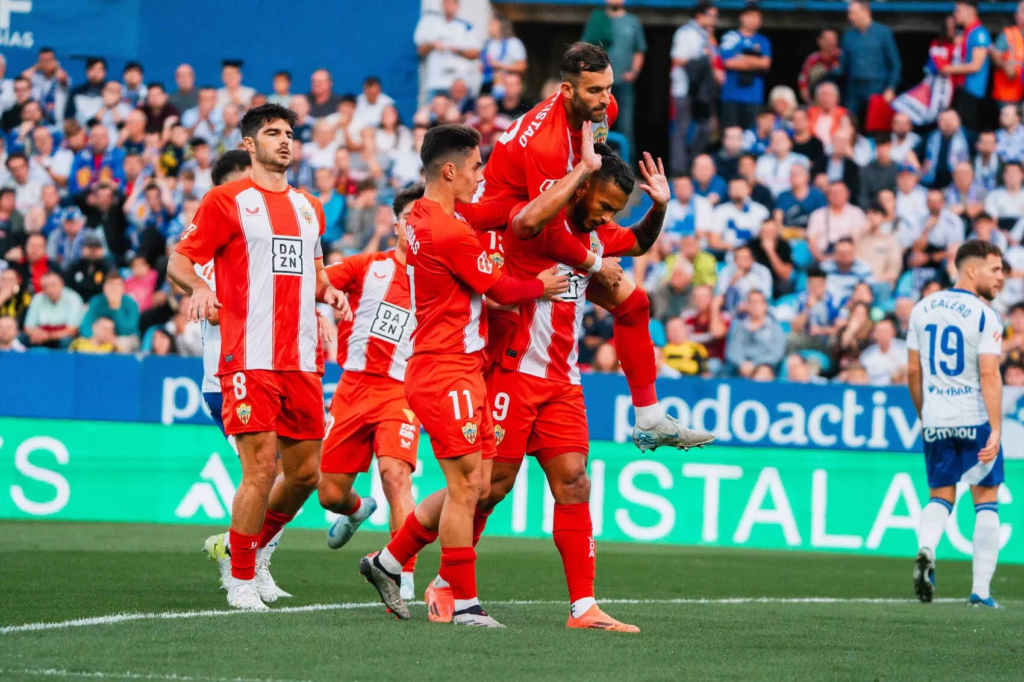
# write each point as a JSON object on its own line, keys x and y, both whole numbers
{"x": 128, "y": 675}
{"x": 347, "y": 606}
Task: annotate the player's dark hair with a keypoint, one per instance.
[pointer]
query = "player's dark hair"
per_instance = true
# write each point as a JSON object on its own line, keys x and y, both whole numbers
{"x": 229, "y": 162}
{"x": 583, "y": 57}
{"x": 447, "y": 143}
{"x": 976, "y": 248}
{"x": 614, "y": 169}
{"x": 260, "y": 116}
{"x": 406, "y": 197}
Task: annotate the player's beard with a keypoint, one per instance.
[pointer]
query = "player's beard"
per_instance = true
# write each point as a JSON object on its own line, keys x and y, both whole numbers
{"x": 269, "y": 158}
{"x": 584, "y": 112}
{"x": 579, "y": 217}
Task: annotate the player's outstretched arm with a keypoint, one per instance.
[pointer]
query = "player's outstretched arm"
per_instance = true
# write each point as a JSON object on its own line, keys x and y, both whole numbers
{"x": 648, "y": 229}
{"x": 203, "y": 303}
{"x": 992, "y": 394}
{"x": 511, "y": 291}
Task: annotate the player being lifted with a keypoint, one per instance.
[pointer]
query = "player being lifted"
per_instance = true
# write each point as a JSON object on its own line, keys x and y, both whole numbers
{"x": 370, "y": 414}
{"x": 264, "y": 239}
{"x": 955, "y": 344}
{"x": 536, "y": 151}
{"x": 449, "y": 271}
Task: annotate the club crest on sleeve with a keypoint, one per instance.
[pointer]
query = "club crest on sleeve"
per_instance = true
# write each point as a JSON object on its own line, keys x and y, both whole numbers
{"x": 469, "y": 430}
{"x": 244, "y": 411}
{"x": 498, "y": 259}
{"x": 499, "y": 434}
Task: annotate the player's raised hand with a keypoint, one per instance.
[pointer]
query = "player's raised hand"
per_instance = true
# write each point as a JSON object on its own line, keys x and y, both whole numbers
{"x": 655, "y": 180}
{"x": 611, "y": 273}
{"x": 203, "y": 304}
{"x": 589, "y": 159}
{"x": 554, "y": 284}
{"x": 339, "y": 302}
{"x": 991, "y": 449}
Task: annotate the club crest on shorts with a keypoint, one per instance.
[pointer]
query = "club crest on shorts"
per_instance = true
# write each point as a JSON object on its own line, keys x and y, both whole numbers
{"x": 469, "y": 430}
{"x": 244, "y": 411}
{"x": 499, "y": 434}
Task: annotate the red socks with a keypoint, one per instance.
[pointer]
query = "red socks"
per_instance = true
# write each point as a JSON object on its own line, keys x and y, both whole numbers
{"x": 479, "y": 522}
{"x": 410, "y": 565}
{"x": 243, "y": 554}
{"x": 410, "y": 539}
{"x": 632, "y": 336}
{"x": 355, "y": 507}
{"x": 458, "y": 568}
{"x": 573, "y": 535}
{"x": 273, "y": 522}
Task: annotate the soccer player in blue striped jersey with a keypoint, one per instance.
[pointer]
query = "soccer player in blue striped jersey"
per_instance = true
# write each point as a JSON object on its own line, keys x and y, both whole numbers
{"x": 955, "y": 344}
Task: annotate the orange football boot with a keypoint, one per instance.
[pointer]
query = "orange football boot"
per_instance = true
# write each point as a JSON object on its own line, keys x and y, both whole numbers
{"x": 440, "y": 603}
{"x": 596, "y": 619}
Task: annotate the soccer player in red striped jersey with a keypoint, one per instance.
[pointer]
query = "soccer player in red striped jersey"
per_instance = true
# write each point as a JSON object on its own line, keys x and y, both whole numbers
{"x": 449, "y": 271}
{"x": 264, "y": 239}
{"x": 369, "y": 414}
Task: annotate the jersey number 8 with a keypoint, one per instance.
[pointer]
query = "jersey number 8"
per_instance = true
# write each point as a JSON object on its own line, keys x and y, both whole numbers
{"x": 951, "y": 343}
{"x": 238, "y": 381}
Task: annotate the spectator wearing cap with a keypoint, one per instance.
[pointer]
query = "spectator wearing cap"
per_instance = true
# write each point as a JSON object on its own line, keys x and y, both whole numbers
{"x": 879, "y": 249}
{"x": 134, "y": 94}
{"x": 819, "y": 65}
{"x": 232, "y": 91}
{"x": 97, "y": 163}
{"x": 970, "y": 66}
{"x": 113, "y": 304}
{"x": 774, "y": 252}
{"x": 737, "y": 220}
{"x": 944, "y": 149}
{"x": 870, "y": 62}
{"x": 794, "y": 207}
{"x": 54, "y": 315}
{"x": 747, "y": 56}
{"x": 206, "y": 119}
{"x": 448, "y": 46}
{"x": 282, "y": 89}
{"x": 9, "y": 342}
{"x": 370, "y": 104}
{"x": 773, "y": 170}
{"x": 185, "y": 95}
{"x": 86, "y": 100}
{"x": 323, "y": 101}
{"x": 100, "y": 340}
{"x": 65, "y": 245}
{"x": 886, "y": 359}
{"x": 830, "y": 224}
{"x": 880, "y": 173}
{"x": 757, "y": 339}
{"x": 87, "y": 272}
{"x": 739, "y": 278}
{"x": 28, "y": 192}
{"x": 50, "y": 84}
{"x": 1006, "y": 203}
{"x": 11, "y": 118}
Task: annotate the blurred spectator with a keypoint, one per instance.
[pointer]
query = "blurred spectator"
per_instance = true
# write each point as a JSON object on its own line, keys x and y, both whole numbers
{"x": 97, "y": 163}
{"x": 839, "y": 220}
{"x": 323, "y": 101}
{"x": 513, "y": 103}
{"x": 774, "y": 168}
{"x": 392, "y": 137}
{"x": 706, "y": 323}
{"x": 944, "y": 149}
{"x": 141, "y": 285}
{"x": 359, "y": 220}
{"x": 122, "y": 310}
{"x": 232, "y": 91}
{"x": 668, "y": 300}
{"x": 840, "y": 166}
{"x": 964, "y": 196}
{"x": 1006, "y": 203}
{"x": 1010, "y": 136}
{"x": 798, "y": 371}
{"x": 27, "y": 192}
{"x": 741, "y": 277}
{"x": 20, "y": 139}
{"x": 206, "y": 119}
{"x": 12, "y": 222}
{"x": 299, "y": 173}
{"x": 157, "y": 108}
{"x": 621, "y": 34}
{"x": 747, "y": 56}
{"x": 461, "y": 97}
{"x": 886, "y": 359}
{"x": 694, "y": 89}
{"x": 6, "y": 87}
{"x": 805, "y": 142}
{"x": 1007, "y": 57}
{"x": 201, "y": 164}
{"x": 746, "y": 168}
{"x": 940, "y": 229}
{"x": 911, "y": 198}
{"x": 606, "y": 360}
{"x": 1013, "y": 375}
{"x": 706, "y": 182}
{"x": 54, "y": 314}
{"x": 597, "y": 329}
{"x": 904, "y": 140}
{"x": 1013, "y": 338}
{"x": 879, "y": 174}
{"x": 854, "y": 334}
{"x": 756, "y": 339}
{"x": 185, "y": 95}
{"x": 794, "y": 207}
{"x": 320, "y": 153}
{"x": 817, "y": 313}
{"x": 151, "y": 210}
{"x": 727, "y": 159}
{"x": 687, "y": 213}
{"x": 282, "y": 89}
{"x": 50, "y": 85}
{"x": 844, "y": 271}
{"x": 86, "y": 100}
{"x": 880, "y": 250}
{"x": 134, "y": 94}
{"x": 188, "y": 336}
{"x": 854, "y": 375}
{"x": 67, "y": 244}
{"x": 985, "y": 229}
{"x": 333, "y": 203}
{"x": 970, "y": 69}
{"x": 86, "y": 273}
{"x": 371, "y": 104}
{"x": 819, "y": 65}
{"x": 782, "y": 101}
{"x": 45, "y": 165}
{"x": 757, "y": 138}
{"x": 870, "y": 63}
{"x": 383, "y": 237}
{"x": 11, "y": 118}
{"x": 100, "y": 340}
{"x": 230, "y": 136}
{"x": 9, "y": 335}
{"x": 774, "y": 252}
{"x": 303, "y": 128}
{"x": 501, "y": 54}
{"x": 903, "y": 308}
{"x": 448, "y": 46}
{"x": 680, "y": 353}
{"x": 14, "y": 296}
{"x": 487, "y": 122}
{"x": 162, "y": 343}
{"x": 826, "y": 115}
{"x": 738, "y": 220}
{"x": 103, "y": 211}
{"x": 34, "y": 263}
{"x": 763, "y": 373}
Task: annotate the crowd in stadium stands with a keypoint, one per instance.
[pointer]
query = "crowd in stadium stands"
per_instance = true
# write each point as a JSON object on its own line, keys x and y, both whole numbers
{"x": 806, "y": 221}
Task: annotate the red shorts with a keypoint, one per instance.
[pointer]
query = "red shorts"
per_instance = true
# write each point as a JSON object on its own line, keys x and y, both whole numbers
{"x": 448, "y": 394}
{"x": 537, "y": 417}
{"x": 501, "y": 327}
{"x": 369, "y": 414}
{"x": 259, "y": 400}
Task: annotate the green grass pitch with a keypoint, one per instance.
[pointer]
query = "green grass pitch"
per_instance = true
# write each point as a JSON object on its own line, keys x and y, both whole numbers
{"x": 52, "y": 572}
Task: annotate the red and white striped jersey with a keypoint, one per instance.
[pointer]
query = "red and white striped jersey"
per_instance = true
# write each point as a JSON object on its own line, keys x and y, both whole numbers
{"x": 264, "y": 246}
{"x": 378, "y": 340}
{"x": 546, "y": 339}
{"x": 448, "y": 271}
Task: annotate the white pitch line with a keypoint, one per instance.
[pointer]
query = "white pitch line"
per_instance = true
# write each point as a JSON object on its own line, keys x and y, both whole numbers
{"x": 54, "y": 672}
{"x": 175, "y": 615}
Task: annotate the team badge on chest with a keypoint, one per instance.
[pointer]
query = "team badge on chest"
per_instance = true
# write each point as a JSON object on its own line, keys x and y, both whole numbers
{"x": 595, "y": 243}
{"x": 307, "y": 214}
{"x": 469, "y": 430}
{"x": 244, "y": 411}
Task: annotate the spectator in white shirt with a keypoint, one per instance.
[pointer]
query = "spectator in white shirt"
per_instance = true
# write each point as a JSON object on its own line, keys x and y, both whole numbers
{"x": 844, "y": 271}
{"x": 839, "y": 220}
{"x": 370, "y": 105}
{"x": 886, "y": 359}
{"x": 47, "y": 166}
{"x": 502, "y": 54}
{"x": 687, "y": 213}
{"x": 691, "y": 53}
{"x": 233, "y": 91}
{"x": 904, "y": 140}
{"x": 737, "y": 221}
{"x": 940, "y": 229}
{"x": 206, "y": 119}
{"x": 320, "y": 154}
{"x": 391, "y": 136}
{"x": 911, "y": 197}
{"x": 1006, "y": 203}
{"x": 773, "y": 169}
{"x": 742, "y": 276}
{"x": 282, "y": 86}
{"x": 449, "y": 48}
{"x": 7, "y": 99}
{"x": 27, "y": 192}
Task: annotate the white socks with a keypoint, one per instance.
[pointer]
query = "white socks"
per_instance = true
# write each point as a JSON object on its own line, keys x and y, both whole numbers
{"x": 581, "y": 606}
{"x": 463, "y": 604}
{"x": 649, "y": 415}
{"x": 933, "y": 522}
{"x": 986, "y": 546}
{"x": 389, "y": 562}
{"x": 272, "y": 545}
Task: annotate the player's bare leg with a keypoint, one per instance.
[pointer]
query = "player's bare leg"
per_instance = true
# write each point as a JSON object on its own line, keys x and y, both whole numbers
{"x": 986, "y": 543}
{"x": 933, "y": 522}
{"x": 631, "y": 312}
{"x": 396, "y": 480}
{"x": 574, "y": 538}
{"x": 336, "y": 494}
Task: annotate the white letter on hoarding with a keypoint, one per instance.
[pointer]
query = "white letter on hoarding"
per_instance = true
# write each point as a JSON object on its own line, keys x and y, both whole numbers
{"x": 170, "y": 410}
{"x": 768, "y": 485}
{"x": 851, "y": 410}
{"x": 62, "y": 490}
{"x": 819, "y": 513}
{"x": 720, "y": 406}
{"x": 791, "y": 429}
{"x": 712, "y": 474}
{"x": 597, "y": 469}
{"x": 878, "y": 439}
{"x": 902, "y": 487}
{"x": 820, "y": 413}
{"x": 908, "y": 433}
{"x": 761, "y": 421}
{"x": 631, "y": 493}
